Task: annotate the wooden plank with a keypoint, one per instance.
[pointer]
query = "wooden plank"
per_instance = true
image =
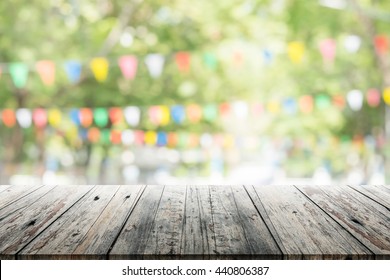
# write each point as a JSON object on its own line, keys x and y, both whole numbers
{"x": 379, "y": 194}
{"x": 18, "y": 229}
{"x": 304, "y": 229}
{"x": 4, "y": 187}
{"x": 197, "y": 242}
{"x": 25, "y": 201}
{"x": 259, "y": 238}
{"x": 61, "y": 239}
{"x": 166, "y": 234}
{"x": 366, "y": 220}
{"x": 230, "y": 238}
{"x": 13, "y": 193}
{"x": 103, "y": 233}
{"x": 133, "y": 238}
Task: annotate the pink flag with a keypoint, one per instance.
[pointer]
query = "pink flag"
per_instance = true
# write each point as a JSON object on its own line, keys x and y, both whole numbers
{"x": 328, "y": 50}
{"x": 46, "y": 70}
{"x": 128, "y": 65}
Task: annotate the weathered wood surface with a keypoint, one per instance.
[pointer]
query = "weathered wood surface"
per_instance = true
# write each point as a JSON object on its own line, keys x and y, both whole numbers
{"x": 194, "y": 222}
{"x": 368, "y": 222}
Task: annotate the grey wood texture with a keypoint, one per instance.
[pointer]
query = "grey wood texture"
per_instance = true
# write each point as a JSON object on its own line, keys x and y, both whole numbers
{"x": 194, "y": 222}
{"x": 368, "y": 222}
{"x": 304, "y": 230}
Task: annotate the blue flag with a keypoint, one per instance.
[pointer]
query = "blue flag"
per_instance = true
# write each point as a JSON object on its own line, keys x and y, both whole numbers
{"x": 73, "y": 70}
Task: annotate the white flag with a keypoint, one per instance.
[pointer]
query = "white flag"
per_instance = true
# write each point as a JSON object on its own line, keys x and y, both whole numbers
{"x": 24, "y": 117}
{"x": 155, "y": 64}
{"x": 132, "y": 115}
{"x": 352, "y": 43}
{"x": 355, "y": 99}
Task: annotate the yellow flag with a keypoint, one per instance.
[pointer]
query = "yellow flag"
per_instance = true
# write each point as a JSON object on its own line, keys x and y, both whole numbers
{"x": 165, "y": 115}
{"x": 296, "y": 51}
{"x": 150, "y": 137}
{"x": 99, "y": 66}
{"x": 273, "y": 106}
{"x": 386, "y": 95}
{"x": 54, "y": 117}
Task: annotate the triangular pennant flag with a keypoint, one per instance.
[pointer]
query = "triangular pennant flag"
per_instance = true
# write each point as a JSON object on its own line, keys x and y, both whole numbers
{"x": 93, "y": 135}
{"x": 74, "y": 115}
{"x": 19, "y": 74}
{"x": 386, "y": 95}
{"x": 47, "y": 71}
{"x": 178, "y": 114}
{"x": 54, "y": 117}
{"x": 99, "y": 66}
{"x": 154, "y": 115}
{"x": 352, "y": 43}
{"x": 100, "y": 116}
{"x": 339, "y": 101}
{"x": 224, "y": 109}
{"x": 194, "y": 113}
{"x": 115, "y": 136}
{"x": 139, "y": 137}
{"x": 355, "y": 99}
{"x": 267, "y": 56}
{"x": 150, "y": 137}
{"x": 39, "y": 117}
{"x": 132, "y": 115}
{"x": 322, "y": 102}
{"x": 116, "y": 115}
{"x": 86, "y": 117}
{"x": 296, "y": 51}
{"x": 173, "y": 139}
{"x": 306, "y": 104}
{"x": 210, "y": 112}
{"x": 328, "y": 50}
{"x": 206, "y": 140}
{"x": 290, "y": 106}
{"x": 381, "y": 43}
{"x": 240, "y": 109}
{"x": 183, "y": 61}
{"x": 257, "y": 109}
{"x": 238, "y": 58}
{"x": 73, "y": 70}
{"x": 164, "y": 115}
{"x": 210, "y": 60}
{"x": 128, "y": 65}
{"x": 273, "y": 106}
{"x": 127, "y": 137}
{"x": 373, "y": 97}
{"x": 162, "y": 139}
{"x": 105, "y": 136}
{"x": 155, "y": 64}
{"x": 24, "y": 117}
{"x": 8, "y": 117}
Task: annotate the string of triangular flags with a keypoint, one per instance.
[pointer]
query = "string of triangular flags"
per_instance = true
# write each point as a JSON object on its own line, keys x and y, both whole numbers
{"x": 155, "y": 62}
{"x": 162, "y": 115}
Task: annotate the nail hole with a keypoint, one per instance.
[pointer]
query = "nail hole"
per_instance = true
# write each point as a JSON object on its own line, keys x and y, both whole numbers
{"x": 356, "y": 221}
{"x": 31, "y": 223}
{"x": 127, "y": 197}
{"x": 96, "y": 198}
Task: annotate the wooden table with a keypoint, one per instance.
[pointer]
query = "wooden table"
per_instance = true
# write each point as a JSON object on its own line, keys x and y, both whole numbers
{"x": 194, "y": 222}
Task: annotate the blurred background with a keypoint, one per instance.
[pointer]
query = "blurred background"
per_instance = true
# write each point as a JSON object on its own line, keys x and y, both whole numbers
{"x": 195, "y": 92}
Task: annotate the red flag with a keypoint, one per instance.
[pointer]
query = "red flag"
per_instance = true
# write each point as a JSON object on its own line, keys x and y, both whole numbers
{"x": 381, "y": 43}
{"x": 46, "y": 70}
{"x": 183, "y": 61}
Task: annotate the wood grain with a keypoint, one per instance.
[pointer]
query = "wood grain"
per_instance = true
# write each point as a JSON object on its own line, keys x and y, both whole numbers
{"x": 103, "y": 233}
{"x": 10, "y": 194}
{"x": 20, "y": 228}
{"x": 166, "y": 234}
{"x": 379, "y": 194}
{"x": 4, "y": 187}
{"x": 304, "y": 229}
{"x": 65, "y": 234}
{"x": 133, "y": 238}
{"x": 367, "y": 221}
{"x": 197, "y": 242}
